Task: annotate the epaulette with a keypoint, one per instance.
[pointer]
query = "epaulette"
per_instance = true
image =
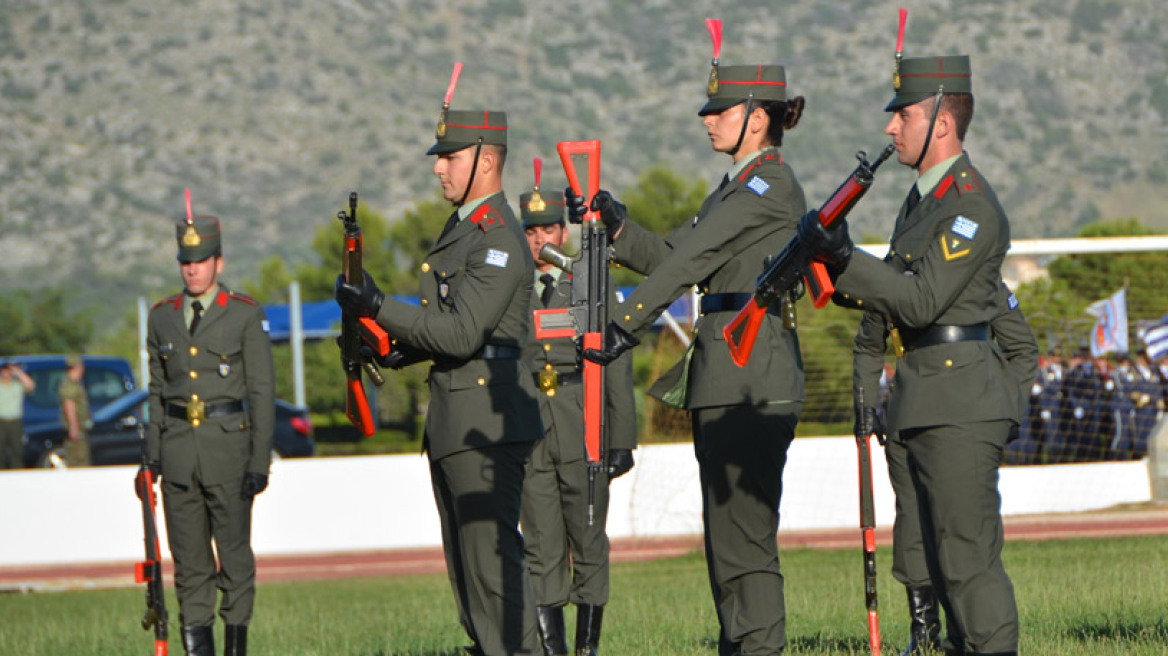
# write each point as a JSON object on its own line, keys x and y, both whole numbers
{"x": 486, "y": 217}
{"x": 964, "y": 182}
{"x": 223, "y": 296}
{"x": 176, "y": 300}
{"x": 765, "y": 157}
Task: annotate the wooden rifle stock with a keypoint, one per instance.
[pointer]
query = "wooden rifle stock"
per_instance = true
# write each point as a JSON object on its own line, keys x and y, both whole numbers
{"x": 356, "y": 331}
{"x": 794, "y": 261}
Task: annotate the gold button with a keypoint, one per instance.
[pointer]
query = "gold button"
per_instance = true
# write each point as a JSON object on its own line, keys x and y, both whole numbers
{"x": 892, "y": 251}
{"x": 846, "y": 295}
{"x": 948, "y": 363}
{"x": 425, "y": 302}
{"x": 194, "y": 350}
{"x": 908, "y": 256}
{"x": 482, "y": 381}
{"x": 551, "y": 392}
{"x": 425, "y": 267}
{"x": 194, "y": 397}
{"x": 547, "y": 347}
{"x": 859, "y": 302}
{"x": 194, "y": 374}
{"x": 548, "y": 366}
{"x": 640, "y": 307}
{"x": 195, "y": 423}
{"x": 964, "y": 173}
{"x": 628, "y": 318}
{"x": 616, "y": 265}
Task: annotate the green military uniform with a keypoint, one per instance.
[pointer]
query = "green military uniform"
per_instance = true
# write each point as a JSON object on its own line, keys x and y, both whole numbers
{"x": 568, "y": 559}
{"x": 12, "y": 393}
{"x": 212, "y": 415}
{"x": 953, "y": 398}
{"x": 76, "y": 450}
{"x": 743, "y": 418}
{"x": 473, "y": 319}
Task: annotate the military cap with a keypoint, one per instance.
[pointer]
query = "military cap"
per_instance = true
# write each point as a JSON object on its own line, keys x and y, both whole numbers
{"x": 72, "y": 360}
{"x": 918, "y": 78}
{"x": 539, "y": 209}
{"x": 731, "y": 85}
{"x": 198, "y": 239}
{"x": 460, "y": 128}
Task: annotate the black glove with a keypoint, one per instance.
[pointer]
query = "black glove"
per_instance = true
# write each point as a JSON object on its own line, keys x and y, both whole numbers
{"x": 868, "y": 423}
{"x": 832, "y": 246}
{"x": 616, "y": 341}
{"x": 612, "y": 211}
{"x": 155, "y": 474}
{"x": 577, "y": 206}
{"x": 253, "y": 484}
{"x": 620, "y": 461}
{"x": 364, "y": 300}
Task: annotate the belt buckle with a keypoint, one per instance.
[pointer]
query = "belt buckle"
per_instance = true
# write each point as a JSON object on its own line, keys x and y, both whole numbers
{"x": 549, "y": 380}
{"x": 196, "y": 412}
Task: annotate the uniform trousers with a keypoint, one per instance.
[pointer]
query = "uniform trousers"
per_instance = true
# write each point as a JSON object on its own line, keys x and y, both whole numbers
{"x": 11, "y": 455}
{"x": 741, "y": 452}
{"x": 568, "y": 558}
{"x": 954, "y": 471}
{"x": 478, "y": 493}
{"x": 195, "y": 515}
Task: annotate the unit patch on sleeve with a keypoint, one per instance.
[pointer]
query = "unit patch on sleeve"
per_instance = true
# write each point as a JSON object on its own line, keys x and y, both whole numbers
{"x": 758, "y": 185}
{"x": 965, "y": 227}
{"x": 1012, "y": 301}
{"x": 497, "y": 258}
{"x": 265, "y": 326}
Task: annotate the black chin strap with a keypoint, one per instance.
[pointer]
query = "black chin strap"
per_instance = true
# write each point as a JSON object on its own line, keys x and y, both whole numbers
{"x": 932, "y": 122}
{"x": 474, "y": 168}
{"x": 745, "y": 120}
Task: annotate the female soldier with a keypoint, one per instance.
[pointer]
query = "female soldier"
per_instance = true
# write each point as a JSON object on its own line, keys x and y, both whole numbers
{"x": 743, "y": 418}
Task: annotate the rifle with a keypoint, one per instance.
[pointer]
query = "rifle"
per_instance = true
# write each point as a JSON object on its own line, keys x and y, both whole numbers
{"x": 361, "y": 337}
{"x": 587, "y": 312}
{"x": 783, "y": 271}
{"x": 149, "y": 571}
{"x": 868, "y": 530}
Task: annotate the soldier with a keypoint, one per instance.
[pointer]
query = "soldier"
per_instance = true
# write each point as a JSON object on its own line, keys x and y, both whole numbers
{"x": 954, "y": 401}
{"x": 209, "y": 436}
{"x": 567, "y": 557}
{"x": 15, "y": 383}
{"x": 75, "y": 418}
{"x": 743, "y": 418}
{"x": 1013, "y": 336}
{"x": 473, "y": 319}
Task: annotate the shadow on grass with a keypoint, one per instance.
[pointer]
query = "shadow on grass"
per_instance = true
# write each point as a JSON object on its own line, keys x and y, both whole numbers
{"x": 816, "y": 644}
{"x": 1120, "y": 630}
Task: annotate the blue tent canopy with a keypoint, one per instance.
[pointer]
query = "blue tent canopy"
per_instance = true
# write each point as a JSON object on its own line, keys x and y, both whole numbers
{"x": 322, "y": 319}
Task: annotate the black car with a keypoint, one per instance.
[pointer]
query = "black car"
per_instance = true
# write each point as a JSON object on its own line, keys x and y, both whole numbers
{"x": 114, "y": 439}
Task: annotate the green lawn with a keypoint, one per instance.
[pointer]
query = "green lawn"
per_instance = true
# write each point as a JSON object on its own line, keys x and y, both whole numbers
{"x": 1095, "y": 597}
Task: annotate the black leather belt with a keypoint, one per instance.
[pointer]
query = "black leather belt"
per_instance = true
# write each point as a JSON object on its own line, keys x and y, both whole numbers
{"x": 732, "y": 303}
{"x": 200, "y": 411}
{"x": 934, "y": 335}
{"x": 563, "y": 378}
{"x": 497, "y": 352}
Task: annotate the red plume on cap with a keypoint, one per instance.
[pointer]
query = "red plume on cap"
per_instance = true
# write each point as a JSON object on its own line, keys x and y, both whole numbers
{"x": 536, "y": 203}
{"x": 899, "y": 47}
{"x": 714, "y": 25}
{"x": 441, "y": 131}
{"x": 190, "y": 214}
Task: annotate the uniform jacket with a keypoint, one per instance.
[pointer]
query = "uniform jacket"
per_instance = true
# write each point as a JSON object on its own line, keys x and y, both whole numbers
{"x": 229, "y": 358}
{"x": 943, "y": 267}
{"x": 475, "y": 289}
{"x": 563, "y": 410}
{"x": 722, "y": 250}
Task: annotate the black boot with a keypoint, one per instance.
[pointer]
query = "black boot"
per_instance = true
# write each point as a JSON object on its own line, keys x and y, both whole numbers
{"x": 198, "y": 640}
{"x": 925, "y": 633}
{"x": 588, "y": 629}
{"x": 551, "y": 630}
{"x": 236, "y": 637}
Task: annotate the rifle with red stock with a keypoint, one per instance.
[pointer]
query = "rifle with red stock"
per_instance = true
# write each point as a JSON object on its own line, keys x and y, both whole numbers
{"x": 149, "y": 571}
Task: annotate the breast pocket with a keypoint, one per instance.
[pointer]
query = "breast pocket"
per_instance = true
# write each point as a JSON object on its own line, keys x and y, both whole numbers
{"x": 228, "y": 358}
{"x": 446, "y": 282}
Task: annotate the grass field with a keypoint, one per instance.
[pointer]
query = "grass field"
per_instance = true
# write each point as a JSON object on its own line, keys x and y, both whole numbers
{"x": 1093, "y": 597}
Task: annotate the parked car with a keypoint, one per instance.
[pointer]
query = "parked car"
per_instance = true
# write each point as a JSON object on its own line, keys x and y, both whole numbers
{"x": 114, "y": 439}
{"x": 107, "y": 378}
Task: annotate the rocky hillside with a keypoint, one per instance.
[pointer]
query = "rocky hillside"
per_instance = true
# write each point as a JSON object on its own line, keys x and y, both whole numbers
{"x": 272, "y": 110}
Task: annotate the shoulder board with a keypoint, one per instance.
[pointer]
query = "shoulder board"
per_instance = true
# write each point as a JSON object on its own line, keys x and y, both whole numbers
{"x": 176, "y": 300}
{"x": 486, "y": 217}
{"x": 223, "y": 296}
{"x": 769, "y": 156}
{"x": 963, "y": 182}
